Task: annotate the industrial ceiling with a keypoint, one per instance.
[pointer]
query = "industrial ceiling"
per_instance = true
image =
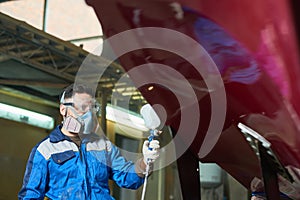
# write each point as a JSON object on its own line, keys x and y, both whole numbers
{"x": 40, "y": 64}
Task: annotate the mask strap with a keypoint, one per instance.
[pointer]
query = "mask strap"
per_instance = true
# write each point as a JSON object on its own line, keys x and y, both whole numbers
{"x": 66, "y": 111}
{"x": 62, "y": 99}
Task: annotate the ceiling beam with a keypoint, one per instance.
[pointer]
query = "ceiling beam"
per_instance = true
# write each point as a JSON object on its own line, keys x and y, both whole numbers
{"x": 32, "y": 83}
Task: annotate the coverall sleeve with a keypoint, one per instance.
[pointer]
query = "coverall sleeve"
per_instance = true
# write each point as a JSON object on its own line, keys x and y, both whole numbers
{"x": 123, "y": 171}
{"x": 35, "y": 178}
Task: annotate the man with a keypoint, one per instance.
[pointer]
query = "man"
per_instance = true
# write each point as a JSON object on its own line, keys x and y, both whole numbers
{"x": 75, "y": 163}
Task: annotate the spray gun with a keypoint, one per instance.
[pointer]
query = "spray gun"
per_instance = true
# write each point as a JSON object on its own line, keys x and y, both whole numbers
{"x": 152, "y": 122}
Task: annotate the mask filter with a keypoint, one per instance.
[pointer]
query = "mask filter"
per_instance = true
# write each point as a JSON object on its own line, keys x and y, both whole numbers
{"x": 89, "y": 121}
{"x": 72, "y": 125}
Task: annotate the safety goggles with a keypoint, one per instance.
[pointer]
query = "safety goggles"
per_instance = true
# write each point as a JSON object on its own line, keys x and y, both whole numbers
{"x": 84, "y": 107}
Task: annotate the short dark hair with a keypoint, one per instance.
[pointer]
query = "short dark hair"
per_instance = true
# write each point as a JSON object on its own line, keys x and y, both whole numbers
{"x": 70, "y": 90}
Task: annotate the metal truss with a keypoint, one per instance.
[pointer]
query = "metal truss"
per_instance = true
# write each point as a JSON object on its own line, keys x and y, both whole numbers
{"x": 37, "y": 49}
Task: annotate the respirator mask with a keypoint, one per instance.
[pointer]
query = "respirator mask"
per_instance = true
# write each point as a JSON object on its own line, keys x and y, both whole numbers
{"x": 84, "y": 123}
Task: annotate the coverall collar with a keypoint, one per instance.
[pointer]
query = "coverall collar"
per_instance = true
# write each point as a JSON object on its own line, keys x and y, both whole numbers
{"x": 57, "y": 136}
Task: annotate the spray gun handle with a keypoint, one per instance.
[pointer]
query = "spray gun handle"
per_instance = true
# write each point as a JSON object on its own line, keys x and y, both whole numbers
{"x": 152, "y": 135}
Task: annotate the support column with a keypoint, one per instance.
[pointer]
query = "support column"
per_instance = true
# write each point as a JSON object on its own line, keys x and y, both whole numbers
{"x": 269, "y": 172}
{"x": 188, "y": 168}
{"x": 103, "y": 111}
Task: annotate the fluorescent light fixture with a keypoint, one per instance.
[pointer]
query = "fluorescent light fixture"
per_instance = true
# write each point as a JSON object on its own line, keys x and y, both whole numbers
{"x": 26, "y": 116}
{"x": 125, "y": 117}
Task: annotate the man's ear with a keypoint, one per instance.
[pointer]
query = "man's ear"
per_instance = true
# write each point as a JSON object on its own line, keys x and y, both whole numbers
{"x": 63, "y": 110}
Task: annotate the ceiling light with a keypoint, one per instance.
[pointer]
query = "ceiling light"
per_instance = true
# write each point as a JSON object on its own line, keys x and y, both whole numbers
{"x": 150, "y": 88}
{"x": 25, "y": 116}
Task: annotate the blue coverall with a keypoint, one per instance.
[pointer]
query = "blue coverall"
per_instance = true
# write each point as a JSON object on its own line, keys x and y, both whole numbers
{"x": 59, "y": 169}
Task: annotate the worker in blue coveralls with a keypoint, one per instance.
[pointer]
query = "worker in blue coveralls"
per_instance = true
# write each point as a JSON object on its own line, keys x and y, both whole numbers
{"x": 74, "y": 162}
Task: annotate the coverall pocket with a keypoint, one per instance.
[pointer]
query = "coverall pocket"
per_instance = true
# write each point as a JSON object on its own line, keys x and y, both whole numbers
{"x": 62, "y": 157}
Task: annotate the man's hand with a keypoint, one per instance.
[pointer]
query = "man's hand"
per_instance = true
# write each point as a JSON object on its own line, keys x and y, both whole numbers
{"x": 150, "y": 151}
